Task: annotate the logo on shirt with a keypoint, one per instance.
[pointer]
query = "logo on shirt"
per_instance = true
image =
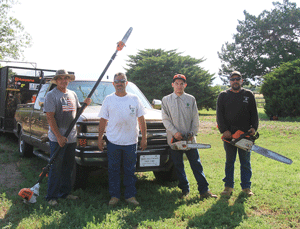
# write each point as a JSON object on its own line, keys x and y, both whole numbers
{"x": 132, "y": 109}
{"x": 68, "y": 105}
{"x": 246, "y": 99}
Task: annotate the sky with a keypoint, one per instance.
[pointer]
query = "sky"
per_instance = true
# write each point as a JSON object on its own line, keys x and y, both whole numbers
{"x": 81, "y": 36}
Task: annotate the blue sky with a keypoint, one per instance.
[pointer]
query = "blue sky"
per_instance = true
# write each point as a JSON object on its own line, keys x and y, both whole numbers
{"x": 81, "y": 36}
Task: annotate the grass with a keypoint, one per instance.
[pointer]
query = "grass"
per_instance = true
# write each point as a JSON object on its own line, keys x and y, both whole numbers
{"x": 275, "y": 203}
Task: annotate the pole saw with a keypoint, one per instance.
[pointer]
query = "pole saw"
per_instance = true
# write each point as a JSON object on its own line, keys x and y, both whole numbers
{"x": 30, "y": 194}
{"x": 246, "y": 142}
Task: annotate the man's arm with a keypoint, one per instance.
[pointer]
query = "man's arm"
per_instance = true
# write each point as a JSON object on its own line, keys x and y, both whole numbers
{"x": 102, "y": 125}
{"x": 195, "y": 119}
{"x": 220, "y": 118}
{"x": 53, "y": 125}
{"x": 253, "y": 115}
{"x": 167, "y": 121}
{"x": 143, "y": 128}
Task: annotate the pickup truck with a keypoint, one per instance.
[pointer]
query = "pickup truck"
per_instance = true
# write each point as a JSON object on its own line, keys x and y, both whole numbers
{"x": 32, "y": 129}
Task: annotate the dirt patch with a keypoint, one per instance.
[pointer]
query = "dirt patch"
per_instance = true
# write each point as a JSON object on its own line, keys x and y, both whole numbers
{"x": 10, "y": 177}
{"x": 208, "y": 127}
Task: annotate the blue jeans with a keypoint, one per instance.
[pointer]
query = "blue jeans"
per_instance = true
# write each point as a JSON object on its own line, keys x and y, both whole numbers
{"x": 195, "y": 163}
{"x": 59, "y": 180}
{"x": 116, "y": 155}
{"x": 245, "y": 167}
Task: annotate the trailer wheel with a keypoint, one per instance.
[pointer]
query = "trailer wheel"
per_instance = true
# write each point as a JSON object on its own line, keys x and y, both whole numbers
{"x": 25, "y": 149}
{"x": 166, "y": 176}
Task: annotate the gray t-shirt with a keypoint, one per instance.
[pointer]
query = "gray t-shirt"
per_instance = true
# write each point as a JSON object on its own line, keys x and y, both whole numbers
{"x": 65, "y": 106}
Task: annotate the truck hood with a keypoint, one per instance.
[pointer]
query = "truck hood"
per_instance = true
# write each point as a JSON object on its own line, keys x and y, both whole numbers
{"x": 91, "y": 114}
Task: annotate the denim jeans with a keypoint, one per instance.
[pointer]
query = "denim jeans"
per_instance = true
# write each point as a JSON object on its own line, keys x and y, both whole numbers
{"x": 116, "y": 155}
{"x": 245, "y": 167}
{"x": 195, "y": 163}
{"x": 59, "y": 179}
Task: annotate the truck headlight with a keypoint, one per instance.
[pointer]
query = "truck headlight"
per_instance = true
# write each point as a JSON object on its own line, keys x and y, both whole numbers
{"x": 92, "y": 128}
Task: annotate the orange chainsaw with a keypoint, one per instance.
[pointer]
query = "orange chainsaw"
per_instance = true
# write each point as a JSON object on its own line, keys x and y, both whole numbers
{"x": 246, "y": 142}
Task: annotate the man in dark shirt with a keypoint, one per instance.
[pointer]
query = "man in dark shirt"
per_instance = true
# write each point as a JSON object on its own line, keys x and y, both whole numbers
{"x": 236, "y": 110}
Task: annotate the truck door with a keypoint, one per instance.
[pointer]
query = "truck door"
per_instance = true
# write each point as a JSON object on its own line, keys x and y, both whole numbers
{"x": 39, "y": 125}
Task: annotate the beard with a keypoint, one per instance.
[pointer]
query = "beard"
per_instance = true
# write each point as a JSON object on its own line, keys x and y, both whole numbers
{"x": 236, "y": 86}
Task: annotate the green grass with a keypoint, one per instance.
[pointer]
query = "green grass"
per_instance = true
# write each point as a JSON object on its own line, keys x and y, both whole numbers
{"x": 275, "y": 203}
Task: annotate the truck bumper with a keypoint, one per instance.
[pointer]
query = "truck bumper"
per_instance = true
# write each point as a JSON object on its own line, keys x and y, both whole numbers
{"x": 147, "y": 160}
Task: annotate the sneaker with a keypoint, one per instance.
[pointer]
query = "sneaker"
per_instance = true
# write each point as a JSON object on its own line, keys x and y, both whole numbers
{"x": 248, "y": 192}
{"x": 207, "y": 194}
{"x": 184, "y": 194}
{"x": 52, "y": 202}
{"x": 71, "y": 197}
{"x": 133, "y": 201}
{"x": 227, "y": 191}
{"x": 113, "y": 201}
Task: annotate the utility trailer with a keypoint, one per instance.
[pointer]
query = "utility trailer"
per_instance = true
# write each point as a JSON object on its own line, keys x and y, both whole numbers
{"x": 18, "y": 85}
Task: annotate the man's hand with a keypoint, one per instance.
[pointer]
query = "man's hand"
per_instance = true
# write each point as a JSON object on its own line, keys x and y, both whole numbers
{"x": 143, "y": 144}
{"x": 62, "y": 141}
{"x": 227, "y": 134}
{"x": 87, "y": 101}
{"x": 251, "y": 131}
{"x": 178, "y": 136}
{"x": 100, "y": 144}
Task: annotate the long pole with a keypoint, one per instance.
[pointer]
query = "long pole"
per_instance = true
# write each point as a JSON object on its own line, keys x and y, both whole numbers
{"x": 120, "y": 46}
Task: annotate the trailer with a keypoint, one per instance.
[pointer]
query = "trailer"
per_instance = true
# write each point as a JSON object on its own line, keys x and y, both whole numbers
{"x": 18, "y": 85}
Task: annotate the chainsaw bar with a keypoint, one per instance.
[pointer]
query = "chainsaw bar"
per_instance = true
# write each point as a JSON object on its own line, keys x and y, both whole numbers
{"x": 198, "y": 146}
{"x": 271, "y": 154}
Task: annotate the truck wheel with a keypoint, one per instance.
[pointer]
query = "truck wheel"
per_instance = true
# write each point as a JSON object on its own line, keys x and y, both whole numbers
{"x": 25, "y": 149}
{"x": 166, "y": 176}
{"x": 80, "y": 176}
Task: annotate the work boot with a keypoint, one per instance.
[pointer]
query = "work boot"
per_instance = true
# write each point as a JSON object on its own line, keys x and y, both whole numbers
{"x": 52, "y": 202}
{"x": 248, "y": 192}
{"x": 71, "y": 197}
{"x": 113, "y": 201}
{"x": 184, "y": 194}
{"x": 227, "y": 191}
{"x": 207, "y": 194}
{"x": 133, "y": 201}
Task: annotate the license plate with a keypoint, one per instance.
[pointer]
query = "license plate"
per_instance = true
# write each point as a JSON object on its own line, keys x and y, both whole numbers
{"x": 149, "y": 160}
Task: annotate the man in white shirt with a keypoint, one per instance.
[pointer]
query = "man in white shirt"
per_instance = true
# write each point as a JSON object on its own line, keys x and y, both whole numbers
{"x": 180, "y": 117}
{"x": 123, "y": 113}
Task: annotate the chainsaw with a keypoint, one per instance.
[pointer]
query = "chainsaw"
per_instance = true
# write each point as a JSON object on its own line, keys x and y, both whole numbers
{"x": 246, "y": 142}
{"x": 185, "y": 144}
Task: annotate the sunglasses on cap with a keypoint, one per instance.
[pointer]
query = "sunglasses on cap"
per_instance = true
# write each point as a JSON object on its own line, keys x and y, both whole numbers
{"x": 235, "y": 78}
{"x": 120, "y": 81}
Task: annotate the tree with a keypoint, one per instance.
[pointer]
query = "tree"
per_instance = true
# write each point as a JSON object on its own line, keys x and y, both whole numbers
{"x": 13, "y": 38}
{"x": 281, "y": 90}
{"x": 262, "y": 43}
{"x": 152, "y": 70}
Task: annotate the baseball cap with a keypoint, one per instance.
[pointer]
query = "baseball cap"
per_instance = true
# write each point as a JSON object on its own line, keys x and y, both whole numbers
{"x": 179, "y": 76}
{"x": 235, "y": 73}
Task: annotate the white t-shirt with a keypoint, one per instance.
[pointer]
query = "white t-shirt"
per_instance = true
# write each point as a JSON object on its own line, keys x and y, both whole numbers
{"x": 122, "y": 114}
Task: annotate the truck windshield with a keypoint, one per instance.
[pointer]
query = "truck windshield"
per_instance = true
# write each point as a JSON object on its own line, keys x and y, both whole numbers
{"x": 83, "y": 88}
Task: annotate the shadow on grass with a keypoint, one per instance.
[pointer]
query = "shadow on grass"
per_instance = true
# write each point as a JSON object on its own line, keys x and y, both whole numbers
{"x": 222, "y": 214}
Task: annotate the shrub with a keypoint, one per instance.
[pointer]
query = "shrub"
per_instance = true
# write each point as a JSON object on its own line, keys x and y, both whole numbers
{"x": 281, "y": 90}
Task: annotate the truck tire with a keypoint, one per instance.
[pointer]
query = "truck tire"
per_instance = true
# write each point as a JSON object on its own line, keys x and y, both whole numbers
{"x": 25, "y": 149}
{"x": 166, "y": 176}
{"x": 80, "y": 176}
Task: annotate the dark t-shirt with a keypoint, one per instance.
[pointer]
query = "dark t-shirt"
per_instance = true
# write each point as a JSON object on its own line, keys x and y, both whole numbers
{"x": 236, "y": 111}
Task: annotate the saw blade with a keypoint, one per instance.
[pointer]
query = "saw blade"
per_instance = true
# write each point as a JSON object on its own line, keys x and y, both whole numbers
{"x": 198, "y": 146}
{"x": 271, "y": 154}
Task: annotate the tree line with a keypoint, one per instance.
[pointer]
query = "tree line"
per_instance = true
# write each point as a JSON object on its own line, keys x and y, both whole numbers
{"x": 265, "y": 49}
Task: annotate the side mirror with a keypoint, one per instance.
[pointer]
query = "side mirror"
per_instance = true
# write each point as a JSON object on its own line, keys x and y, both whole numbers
{"x": 156, "y": 104}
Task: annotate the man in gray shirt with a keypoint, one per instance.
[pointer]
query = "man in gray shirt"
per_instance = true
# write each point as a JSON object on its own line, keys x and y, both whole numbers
{"x": 180, "y": 117}
{"x": 60, "y": 107}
